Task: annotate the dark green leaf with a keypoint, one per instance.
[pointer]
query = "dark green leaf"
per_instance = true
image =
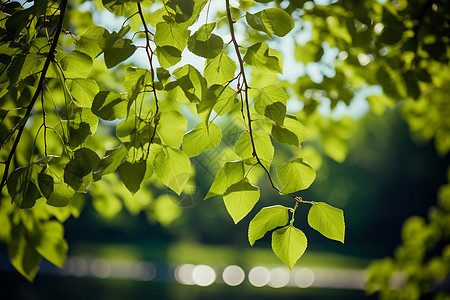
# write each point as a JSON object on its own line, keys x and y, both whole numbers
{"x": 117, "y": 50}
{"x": 110, "y": 106}
{"x": 132, "y": 174}
{"x": 112, "y": 160}
{"x": 292, "y": 132}
{"x": 204, "y": 43}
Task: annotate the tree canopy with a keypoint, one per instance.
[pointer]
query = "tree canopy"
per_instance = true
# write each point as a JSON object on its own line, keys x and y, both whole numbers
{"x": 97, "y": 95}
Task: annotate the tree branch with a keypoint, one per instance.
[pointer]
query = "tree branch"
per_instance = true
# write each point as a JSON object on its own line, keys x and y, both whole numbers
{"x": 50, "y": 57}
{"x": 244, "y": 88}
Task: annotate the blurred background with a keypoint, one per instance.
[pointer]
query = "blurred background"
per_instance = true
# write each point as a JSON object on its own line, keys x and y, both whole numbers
{"x": 201, "y": 254}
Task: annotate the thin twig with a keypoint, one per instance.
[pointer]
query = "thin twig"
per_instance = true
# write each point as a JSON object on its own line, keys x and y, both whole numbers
{"x": 244, "y": 88}
{"x": 149, "y": 52}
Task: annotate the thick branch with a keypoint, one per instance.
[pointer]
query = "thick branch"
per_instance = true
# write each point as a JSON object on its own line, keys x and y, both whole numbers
{"x": 50, "y": 57}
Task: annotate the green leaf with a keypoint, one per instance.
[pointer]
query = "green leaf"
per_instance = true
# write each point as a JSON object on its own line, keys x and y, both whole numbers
{"x": 264, "y": 58}
{"x": 190, "y": 85}
{"x": 112, "y": 160}
{"x": 271, "y": 102}
{"x": 167, "y": 56}
{"x": 117, "y": 50}
{"x": 48, "y": 239}
{"x": 77, "y": 169}
{"x": 225, "y": 98}
{"x": 327, "y": 220}
{"x": 267, "y": 219}
{"x": 205, "y": 44}
{"x": 22, "y": 254}
{"x": 132, "y": 174}
{"x": 171, "y": 128}
{"x": 289, "y": 244}
{"x": 110, "y": 105}
{"x": 61, "y": 195}
{"x": 231, "y": 173}
{"x": 171, "y": 34}
{"x": 240, "y": 198}
{"x": 295, "y": 175}
{"x": 292, "y": 132}
{"x": 201, "y": 138}
{"x": 45, "y": 183}
{"x": 263, "y": 145}
{"x": 173, "y": 168}
{"x": 135, "y": 81}
{"x": 220, "y": 69}
{"x": 271, "y": 21}
{"x": 23, "y": 191}
{"x": 83, "y": 90}
{"x": 76, "y": 64}
{"x": 92, "y": 42}
{"x": 120, "y": 7}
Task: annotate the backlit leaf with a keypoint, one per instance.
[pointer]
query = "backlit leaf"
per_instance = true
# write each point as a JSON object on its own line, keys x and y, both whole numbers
{"x": 271, "y": 102}
{"x": 171, "y": 34}
{"x": 76, "y": 64}
{"x": 167, "y": 56}
{"x": 289, "y": 244}
{"x": 295, "y": 175}
{"x": 231, "y": 173}
{"x": 271, "y": 21}
{"x": 267, "y": 219}
{"x": 201, "y": 138}
{"x": 263, "y": 145}
{"x": 264, "y": 58}
{"x": 173, "y": 168}
{"x": 220, "y": 69}
{"x": 240, "y": 198}
{"x": 292, "y": 132}
{"x": 171, "y": 128}
{"x": 327, "y": 220}
{"x": 92, "y": 41}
